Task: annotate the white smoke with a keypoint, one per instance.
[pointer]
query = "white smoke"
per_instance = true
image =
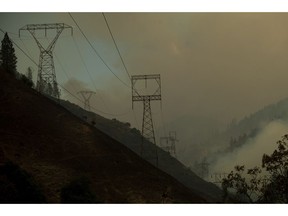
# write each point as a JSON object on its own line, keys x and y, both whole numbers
{"x": 250, "y": 154}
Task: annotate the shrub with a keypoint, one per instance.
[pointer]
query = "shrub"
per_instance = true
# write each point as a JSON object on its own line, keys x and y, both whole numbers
{"x": 78, "y": 191}
{"x": 17, "y": 186}
{"x": 26, "y": 80}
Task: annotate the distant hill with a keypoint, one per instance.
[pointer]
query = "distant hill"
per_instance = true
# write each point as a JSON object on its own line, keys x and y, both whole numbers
{"x": 205, "y": 139}
{"x": 58, "y": 157}
{"x": 260, "y": 118}
{"x": 238, "y": 133}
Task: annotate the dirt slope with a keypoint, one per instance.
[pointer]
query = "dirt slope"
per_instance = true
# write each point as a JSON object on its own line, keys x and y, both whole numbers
{"x": 132, "y": 138}
{"x": 56, "y": 148}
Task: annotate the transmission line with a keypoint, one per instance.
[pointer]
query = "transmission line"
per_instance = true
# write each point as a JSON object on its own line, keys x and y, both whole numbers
{"x": 32, "y": 60}
{"x": 20, "y": 49}
{"x": 25, "y": 47}
{"x": 81, "y": 57}
{"x": 102, "y": 58}
{"x": 86, "y": 68}
{"x": 91, "y": 106}
{"x": 62, "y": 85}
{"x": 116, "y": 45}
{"x": 111, "y": 34}
{"x": 97, "y": 52}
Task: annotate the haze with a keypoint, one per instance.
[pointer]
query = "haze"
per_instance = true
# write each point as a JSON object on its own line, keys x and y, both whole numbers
{"x": 216, "y": 66}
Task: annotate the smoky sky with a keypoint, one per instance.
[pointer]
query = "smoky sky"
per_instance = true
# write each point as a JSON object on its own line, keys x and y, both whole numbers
{"x": 251, "y": 153}
{"x": 217, "y": 65}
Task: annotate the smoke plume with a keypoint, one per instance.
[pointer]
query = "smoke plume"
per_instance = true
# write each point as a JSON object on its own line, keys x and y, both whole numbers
{"x": 250, "y": 154}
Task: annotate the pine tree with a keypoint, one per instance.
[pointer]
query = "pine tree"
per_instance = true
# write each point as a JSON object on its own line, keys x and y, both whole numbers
{"x": 8, "y": 58}
{"x": 28, "y": 78}
{"x": 0, "y": 58}
{"x": 29, "y": 74}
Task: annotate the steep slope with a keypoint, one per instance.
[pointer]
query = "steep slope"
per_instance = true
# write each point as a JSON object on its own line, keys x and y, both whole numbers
{"x": 131, "y": 137}
{"x": 57, "y": 148}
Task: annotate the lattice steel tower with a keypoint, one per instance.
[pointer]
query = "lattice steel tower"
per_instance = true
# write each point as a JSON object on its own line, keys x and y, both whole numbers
{"x": 169, "y": 143}
{"x": 86, "y": 96}
{"x": 46, "y": 80}
{"x": 148, "y": 134}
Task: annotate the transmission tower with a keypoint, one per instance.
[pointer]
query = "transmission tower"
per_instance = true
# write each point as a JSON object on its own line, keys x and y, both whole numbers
{"x": 173, "y": 140}
{"x": 169, "y": 143}
{"x": 217, "y": 178}
{"x": 204, "y": 169}
{"x": 46, "y": 80}
{"x": 86, "y": 96}
{"x": 148, "y": 134}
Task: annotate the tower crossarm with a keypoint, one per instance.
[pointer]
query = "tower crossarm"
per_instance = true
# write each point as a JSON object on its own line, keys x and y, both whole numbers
{"x": 136, "y": 96}
{"x": 87, "y": 92}
{"x": 150, "y": 76}
{"x": 46, "y": 81}
{"x": 59, "y": 27}
{"x": 86, "y": 96}
{"x": 146, "y": 97}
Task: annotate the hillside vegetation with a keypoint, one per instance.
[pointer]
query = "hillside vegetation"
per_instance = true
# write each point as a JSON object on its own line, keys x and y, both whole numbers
{"x": 131, "y": 137}
{"x": 65, "y": 159}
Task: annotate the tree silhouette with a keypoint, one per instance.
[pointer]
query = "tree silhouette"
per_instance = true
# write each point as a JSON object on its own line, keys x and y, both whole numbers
{"x": 8, "y": 57}
{"x": 28, "y": 78}
{"x": 29, "y": 73}
{"x": 277, "y": 166}
{"x": 272, "y": 187}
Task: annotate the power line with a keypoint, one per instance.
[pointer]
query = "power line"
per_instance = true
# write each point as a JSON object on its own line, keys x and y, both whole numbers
{"x": 114, "y": 41}
{"x": 85, "y": 65}
{"x": 59, "y": 62}
{"x": 116, "y": 46}
{"x": 20, "y": 49}
{"x": 82, "y": 59}
{"x": 16, "y": 34}
{"x": 134, "y": 115}
{"x": 68, "y": 78}
{"x": 92, "y": 106}
{"x": 25, "y": 47}
{"x": 101, "y": 57}
{"x": 97, "y": 52}
{"x": 61, "y": 65}
{"x": 80, "y": 99}
{"x": 63, "y": 69}
{"x": 60, "y": 84}
{"x": 65, "y": 72}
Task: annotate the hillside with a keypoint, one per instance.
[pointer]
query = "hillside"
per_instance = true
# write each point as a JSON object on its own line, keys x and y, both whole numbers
{"x": 56, "y": 150}
{"x": 239, "y": 132}
{"x": 268, "y": 122}
{"x": 261, "y": 118}
{"x": 131, "y": 138}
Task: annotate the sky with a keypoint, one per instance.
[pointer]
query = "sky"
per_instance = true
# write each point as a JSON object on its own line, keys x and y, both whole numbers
{"x": 221, "y": 66}
{"x": 213, "y": 65}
